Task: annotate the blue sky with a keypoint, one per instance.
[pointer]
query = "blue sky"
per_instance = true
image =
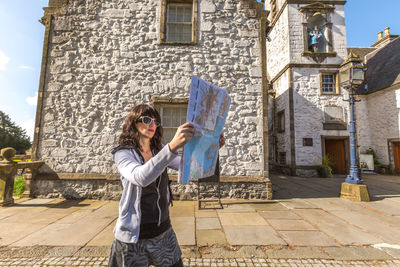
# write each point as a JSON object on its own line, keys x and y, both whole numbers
{"x": 21, "y": 43}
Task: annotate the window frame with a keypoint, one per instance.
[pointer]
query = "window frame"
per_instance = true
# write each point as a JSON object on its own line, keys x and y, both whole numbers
{"x": 164, "y": 16}
{"x": 336, "y": 88}
{"x": 160, "y": 102}
{"x": 279, "y": 125}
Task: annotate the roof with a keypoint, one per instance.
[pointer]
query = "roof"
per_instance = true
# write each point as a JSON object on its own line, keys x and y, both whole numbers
{"x": 360, "y": 51}
{"x": 383, "y": 68}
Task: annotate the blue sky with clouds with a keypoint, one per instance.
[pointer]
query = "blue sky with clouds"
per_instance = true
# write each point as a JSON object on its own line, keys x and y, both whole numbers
{"x": 21, "y": 43}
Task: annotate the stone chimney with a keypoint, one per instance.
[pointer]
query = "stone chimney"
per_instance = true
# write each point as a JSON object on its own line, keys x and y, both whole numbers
{"x": 384, "y": 40}
{"x": 387, "y": 31}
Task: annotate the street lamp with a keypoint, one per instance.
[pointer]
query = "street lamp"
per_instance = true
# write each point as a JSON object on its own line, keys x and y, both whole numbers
{"x": 351, "y": 76}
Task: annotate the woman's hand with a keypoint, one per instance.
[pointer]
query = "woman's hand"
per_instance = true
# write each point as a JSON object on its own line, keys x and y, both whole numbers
{"x": 221, "y": 140}
{"x": 182, "y": 136}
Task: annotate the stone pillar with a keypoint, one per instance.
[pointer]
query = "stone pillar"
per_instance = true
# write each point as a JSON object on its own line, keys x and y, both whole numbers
{"x": 28, "y": 180}
{"x": 8, "y": 170}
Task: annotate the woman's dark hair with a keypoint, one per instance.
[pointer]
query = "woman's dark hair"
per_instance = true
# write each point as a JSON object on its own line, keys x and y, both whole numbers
{"x": 130, "y": 134}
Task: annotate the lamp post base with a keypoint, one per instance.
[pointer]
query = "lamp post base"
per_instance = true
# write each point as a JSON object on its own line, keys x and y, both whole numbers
{"x": 354, "y": 192}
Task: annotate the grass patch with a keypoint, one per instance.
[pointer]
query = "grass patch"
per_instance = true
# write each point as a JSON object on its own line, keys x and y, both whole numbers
{"x": 19, "y": 186}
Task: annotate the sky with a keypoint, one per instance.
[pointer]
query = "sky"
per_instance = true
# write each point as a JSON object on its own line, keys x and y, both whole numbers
{"x": 21, "y": 45}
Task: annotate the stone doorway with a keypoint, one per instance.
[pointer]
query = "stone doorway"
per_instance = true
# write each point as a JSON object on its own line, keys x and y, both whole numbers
{"x": 335, "y": 149}
{"x": 396, "y": 156}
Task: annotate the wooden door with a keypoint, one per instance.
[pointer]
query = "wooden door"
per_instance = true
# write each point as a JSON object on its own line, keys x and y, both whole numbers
{"x": 335, "y": 151}
{"x": 396, "y": 156}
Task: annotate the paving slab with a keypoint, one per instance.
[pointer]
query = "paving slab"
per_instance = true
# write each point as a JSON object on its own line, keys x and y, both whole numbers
{"x": 279, "y": 224}
{"x": 181, "y": 211}
{"x": 343, "y": 231}
{"x": 236, "y": 207}
{"x": 395, "y": 253}
{"x": 250, "y": 218}
{"x": 270, "y": 206}
{"x": 252, "y": 235}
{"x": 184, "y": 228}
{"x": 105, "y": 237}
{"x": 383, "y": 208}
{"x": 108, "y": 210}
{"x": 210, "y": 238}
{"x": 372, "y": 225}
{"x": 297, "y": 204}
{"x": 353, "y": 253}
{"x": 297, "y": 253}
{"x": 207, "y": 224}
{"x": 74, "y": 217}
{"x": 307, "y": 238}
{"x": 325, "y": 204}
{"x": 205, "y": 214}
{"x": 77, "y": 234}
{"x": 12, "y": 232}
{"x": 285, "y": 215}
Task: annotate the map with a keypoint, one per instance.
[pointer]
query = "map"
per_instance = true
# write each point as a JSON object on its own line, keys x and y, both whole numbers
{"x": 207, "y": 111}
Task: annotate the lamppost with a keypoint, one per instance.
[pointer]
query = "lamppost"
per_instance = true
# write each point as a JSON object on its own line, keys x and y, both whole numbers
{"x": 351, "y": 76}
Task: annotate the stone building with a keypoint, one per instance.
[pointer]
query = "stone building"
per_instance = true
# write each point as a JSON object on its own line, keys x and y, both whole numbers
{"x": 378, "y": 117}
{"x": 101, "y": 58}
{"x": 308, "y": 117}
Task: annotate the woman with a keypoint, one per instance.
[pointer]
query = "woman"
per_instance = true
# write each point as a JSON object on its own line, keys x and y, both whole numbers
{"x": 143, "y": 233}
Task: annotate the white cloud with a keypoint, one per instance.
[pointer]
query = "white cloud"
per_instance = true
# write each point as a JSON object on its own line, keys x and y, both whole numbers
{"x": 26, "y": 67}
{"x": 3, "y": 60}
{"x": 29, "y": 126}
{"x": 32, "y": 100}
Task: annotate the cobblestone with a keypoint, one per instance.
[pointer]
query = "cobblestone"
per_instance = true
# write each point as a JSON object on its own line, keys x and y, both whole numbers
{"x": 249, "y": 262}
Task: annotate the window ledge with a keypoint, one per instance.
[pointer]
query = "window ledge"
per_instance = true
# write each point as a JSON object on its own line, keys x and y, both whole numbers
{"x": 178, "y": 43}
{"x": 318, "y": 54}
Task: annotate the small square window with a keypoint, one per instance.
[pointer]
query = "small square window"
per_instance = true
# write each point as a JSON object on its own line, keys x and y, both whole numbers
{"x": 329, "y": 83}
{"x": 178, "y": 21}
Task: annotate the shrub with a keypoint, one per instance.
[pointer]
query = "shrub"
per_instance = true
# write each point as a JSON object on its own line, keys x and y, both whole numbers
{"x": 19, "y": 186}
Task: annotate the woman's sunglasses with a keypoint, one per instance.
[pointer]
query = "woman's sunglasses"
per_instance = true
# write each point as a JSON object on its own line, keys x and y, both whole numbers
{"x": 149, "y": 120}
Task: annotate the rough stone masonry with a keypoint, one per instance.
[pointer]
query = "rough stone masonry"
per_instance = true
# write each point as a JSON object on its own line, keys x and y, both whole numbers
{"x": 101, "y": 58}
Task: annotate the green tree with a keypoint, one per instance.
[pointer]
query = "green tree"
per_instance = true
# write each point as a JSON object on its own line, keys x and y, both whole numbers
{"x": 11, "y": 135}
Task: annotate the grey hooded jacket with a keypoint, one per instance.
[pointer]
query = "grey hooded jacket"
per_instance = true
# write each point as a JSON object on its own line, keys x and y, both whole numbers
{"x": 134, "y": 176}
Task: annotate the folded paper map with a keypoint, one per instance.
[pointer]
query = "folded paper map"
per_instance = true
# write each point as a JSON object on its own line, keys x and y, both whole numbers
{"x": 207, "y": 111}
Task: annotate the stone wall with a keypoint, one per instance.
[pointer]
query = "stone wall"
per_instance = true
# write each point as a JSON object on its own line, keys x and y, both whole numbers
{"x": 105, "y": 57}
{"x": 278, "y": 48}
{"x": 309, "y": 106}
{"x": 381, "y": 120}
{"x": 111, "y": 190}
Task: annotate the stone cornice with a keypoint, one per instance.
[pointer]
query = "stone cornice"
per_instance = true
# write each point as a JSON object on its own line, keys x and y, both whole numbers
{"x": 297, "y": 65}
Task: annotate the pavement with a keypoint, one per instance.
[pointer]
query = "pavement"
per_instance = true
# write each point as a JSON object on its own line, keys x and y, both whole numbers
{"x": 306, "y": 224}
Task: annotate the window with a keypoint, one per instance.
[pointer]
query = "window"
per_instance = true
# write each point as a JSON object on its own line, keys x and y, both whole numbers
{"x": 178, "y": 21}
{"x": 171, "y": 118}
{"x": 281, "y": 121}
{"x": 329, "y": 83}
